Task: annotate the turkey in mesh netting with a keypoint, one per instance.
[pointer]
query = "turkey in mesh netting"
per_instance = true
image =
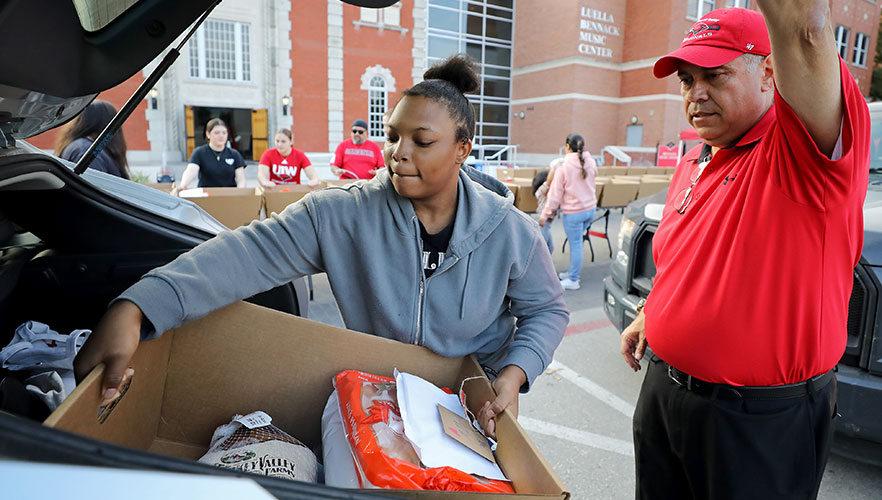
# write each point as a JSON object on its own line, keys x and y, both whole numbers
{"x": 252, "y": 444}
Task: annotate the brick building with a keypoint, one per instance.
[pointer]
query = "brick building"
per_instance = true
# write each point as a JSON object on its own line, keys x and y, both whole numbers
{"x": 550, "y": 67}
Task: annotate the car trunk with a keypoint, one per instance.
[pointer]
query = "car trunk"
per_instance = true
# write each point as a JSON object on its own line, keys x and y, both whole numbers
{"x": 70, "y": 247}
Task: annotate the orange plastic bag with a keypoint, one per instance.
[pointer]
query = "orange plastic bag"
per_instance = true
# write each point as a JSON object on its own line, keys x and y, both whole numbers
{"x": 384, "y": 458}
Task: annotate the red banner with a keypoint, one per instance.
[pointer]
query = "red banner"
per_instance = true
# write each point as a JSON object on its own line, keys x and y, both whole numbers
{"x": 667, "y": 155}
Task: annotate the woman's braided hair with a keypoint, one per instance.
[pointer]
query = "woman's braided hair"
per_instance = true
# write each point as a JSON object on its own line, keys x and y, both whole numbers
{"x": 577, "y": 145}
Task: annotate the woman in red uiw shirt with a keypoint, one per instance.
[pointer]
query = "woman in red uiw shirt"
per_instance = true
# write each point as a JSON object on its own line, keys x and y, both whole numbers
{"x": 283, "y": 164}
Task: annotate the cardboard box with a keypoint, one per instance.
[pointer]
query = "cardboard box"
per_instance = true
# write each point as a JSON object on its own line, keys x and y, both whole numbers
{"x": 338, "y": 182}
{"x": 505, "y": 174}
{"x": 619, "y": 192}
{"x": 617, "y": 170}
{"x": 232, "y": 207}
{"x": 244, "y": 358}
{"x": 525, "y": 173}
{"x": 165, "y": 187}
{"x": 525, "y": 200}
{"x": 275, "y": 199}
{"x": 650, "y": 185}
{"x": 512, "y": 187}
{"x": 635, "y": 171}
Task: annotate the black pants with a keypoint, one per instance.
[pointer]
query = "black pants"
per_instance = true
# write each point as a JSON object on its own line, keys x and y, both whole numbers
{"x": 690, "y": 446}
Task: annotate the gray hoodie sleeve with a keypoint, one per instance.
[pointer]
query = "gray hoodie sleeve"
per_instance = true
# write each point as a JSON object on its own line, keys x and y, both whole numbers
{"x": 232, "y": 266}
{"x": 537, "y": 301}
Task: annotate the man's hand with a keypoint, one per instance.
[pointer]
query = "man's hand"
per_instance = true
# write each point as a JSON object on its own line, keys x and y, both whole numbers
{"x": 507, "y": 386}
{"x": 372, "y": 171}
{"x": 336, "y": 170}
{"x": 634, "y": 342}
{"x": 112, "y": 342}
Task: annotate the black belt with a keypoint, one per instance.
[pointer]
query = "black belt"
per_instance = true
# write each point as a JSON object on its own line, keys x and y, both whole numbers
{"x": 726, "y": 391}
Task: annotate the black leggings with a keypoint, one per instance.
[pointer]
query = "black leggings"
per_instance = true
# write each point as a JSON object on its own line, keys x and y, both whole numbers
{"x": 690, "y": 446}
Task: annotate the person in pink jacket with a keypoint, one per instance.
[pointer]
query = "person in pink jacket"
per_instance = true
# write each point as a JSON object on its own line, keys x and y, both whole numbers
{"x": 572, "y": 190}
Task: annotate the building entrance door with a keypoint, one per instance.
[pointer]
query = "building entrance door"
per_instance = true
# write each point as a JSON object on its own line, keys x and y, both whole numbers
{"x": 246, "y": 138}
{"x": 635, "y": 136}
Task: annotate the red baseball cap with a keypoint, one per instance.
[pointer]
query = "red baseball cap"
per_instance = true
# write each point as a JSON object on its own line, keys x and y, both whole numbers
{"x": 718, "y": 38}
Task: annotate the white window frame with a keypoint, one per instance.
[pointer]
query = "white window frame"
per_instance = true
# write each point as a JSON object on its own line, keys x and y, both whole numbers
{"x": 378, "y": 98}
{"x": 238, "y": 68}
{"x": 385, "y": 17}
{"x": 861, "y": 43}
{"x": 378, "y": 102}
{"x": 701, "y": 7}
{"x": 842, "y": 34}
{"x": 744, "y": 4}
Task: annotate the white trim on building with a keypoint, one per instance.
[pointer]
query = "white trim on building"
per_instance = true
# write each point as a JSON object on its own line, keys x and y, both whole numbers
{"x": 335, "y": 74}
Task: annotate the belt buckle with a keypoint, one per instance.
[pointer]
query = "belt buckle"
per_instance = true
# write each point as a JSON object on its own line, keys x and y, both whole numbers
{"x": 672, "y": 377}
{"x": 687, "y": 385}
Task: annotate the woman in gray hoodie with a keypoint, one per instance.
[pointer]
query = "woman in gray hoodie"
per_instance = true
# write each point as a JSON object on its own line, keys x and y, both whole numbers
{"x": 427, "y": 253}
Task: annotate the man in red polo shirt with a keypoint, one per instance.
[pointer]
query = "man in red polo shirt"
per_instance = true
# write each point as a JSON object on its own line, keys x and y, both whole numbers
{"x": 755, "y": 252}
{"x": 357, "y": 155}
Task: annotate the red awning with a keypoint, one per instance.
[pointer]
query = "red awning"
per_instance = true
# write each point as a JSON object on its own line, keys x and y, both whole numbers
{"x": 689, "y": 135}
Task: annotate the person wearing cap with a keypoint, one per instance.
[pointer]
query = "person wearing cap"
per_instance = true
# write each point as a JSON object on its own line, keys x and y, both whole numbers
{"x": 761, "y": 230}
{"x": 357, "y": 155}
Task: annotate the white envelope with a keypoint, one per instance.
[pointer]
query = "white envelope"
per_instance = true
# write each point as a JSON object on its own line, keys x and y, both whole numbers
{"x": 418, "y": 400}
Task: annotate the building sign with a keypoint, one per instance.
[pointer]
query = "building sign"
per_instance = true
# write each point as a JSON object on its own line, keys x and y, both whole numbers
{"x": 595, "y": 28}
{"x": 667, "y": 155}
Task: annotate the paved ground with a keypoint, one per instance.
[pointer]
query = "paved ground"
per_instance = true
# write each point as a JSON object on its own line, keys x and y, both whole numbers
{"x": 579, "y": 411}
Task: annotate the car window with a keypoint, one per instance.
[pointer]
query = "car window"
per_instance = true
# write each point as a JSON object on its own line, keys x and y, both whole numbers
{"x": 96, "y": 14}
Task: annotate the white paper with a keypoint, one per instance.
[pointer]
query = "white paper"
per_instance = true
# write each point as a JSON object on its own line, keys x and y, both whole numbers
{"x": 254, "y": 420}
{"x": 418, "y": 400}
{"x": 192, "y": 193}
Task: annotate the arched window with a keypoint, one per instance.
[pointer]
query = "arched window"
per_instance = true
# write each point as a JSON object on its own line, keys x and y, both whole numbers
{"x": 377, "y": 103}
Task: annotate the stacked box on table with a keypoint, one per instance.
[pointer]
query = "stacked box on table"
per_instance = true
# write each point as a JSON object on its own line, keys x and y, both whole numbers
{"x": 525, "y": 200}
{"x": 526, "y": 173}
{"x": 619, "y": 191}
{"x": 651, "y": 184}
{"x": 244, "y": 358}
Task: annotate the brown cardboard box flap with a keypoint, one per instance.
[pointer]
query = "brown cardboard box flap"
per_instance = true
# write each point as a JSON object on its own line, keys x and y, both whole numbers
{"x": 244, "y": 358}
{"x": 279, "y": 197}
{"x": 165, "y": 187}
{"x": 525, "y": 173}
{"x": 618, "y": 193}
{"x": 525, "y": 200}
{"x": 232, "y": 207}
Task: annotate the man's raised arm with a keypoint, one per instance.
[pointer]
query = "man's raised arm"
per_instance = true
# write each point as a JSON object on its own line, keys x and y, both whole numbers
{"x": 806, "y": 65}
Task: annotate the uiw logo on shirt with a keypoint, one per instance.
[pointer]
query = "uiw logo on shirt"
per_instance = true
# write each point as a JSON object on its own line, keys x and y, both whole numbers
{"x": 284, "y": 170}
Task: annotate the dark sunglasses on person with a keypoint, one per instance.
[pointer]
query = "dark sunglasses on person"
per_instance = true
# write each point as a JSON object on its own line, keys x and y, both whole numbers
{"x": 685, "y": 194}
{"x": 358, "y": 131}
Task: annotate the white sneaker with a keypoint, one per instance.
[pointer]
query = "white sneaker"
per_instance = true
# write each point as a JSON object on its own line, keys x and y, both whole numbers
{"x": 569, "y": 284}
{"x": 564, "y": 275}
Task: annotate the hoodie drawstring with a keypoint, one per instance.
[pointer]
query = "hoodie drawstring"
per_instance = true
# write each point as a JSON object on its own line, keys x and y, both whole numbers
{"x": 465, "y": 286}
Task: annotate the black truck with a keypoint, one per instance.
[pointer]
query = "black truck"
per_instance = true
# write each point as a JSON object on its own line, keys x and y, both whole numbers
{"x": 859, "y": 430}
